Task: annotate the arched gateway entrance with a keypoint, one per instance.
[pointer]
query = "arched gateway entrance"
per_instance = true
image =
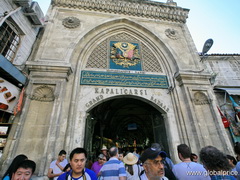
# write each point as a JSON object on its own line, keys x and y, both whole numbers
{"x": 125, "y": 122}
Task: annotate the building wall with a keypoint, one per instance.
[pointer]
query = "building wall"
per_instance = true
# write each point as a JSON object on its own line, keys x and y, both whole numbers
{"x": 224, "y": 69}
{"x": 57, "y": 105}
{"x": 15, "y": 13}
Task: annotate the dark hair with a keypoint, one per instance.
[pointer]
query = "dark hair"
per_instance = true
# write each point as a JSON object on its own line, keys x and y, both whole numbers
{"x": 232, "y": 159}
{"x": 192, "y": 156}
{"x": 214, "y": 159}
{"x": 26, "y": 164}
{"x": 237, "y": 148}
{"x": 18, "y": 159}
{"x": 62, "y": 152}
{"x": 184, "y": 150}
{"x": 129, "y": 168}
{"x": 77, "y": 151}
{"x": 66, "y": 167}
{"x": 113, "y": 151}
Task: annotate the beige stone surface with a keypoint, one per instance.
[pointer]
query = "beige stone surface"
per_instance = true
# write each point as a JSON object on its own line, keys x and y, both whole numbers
{"x": 55, "y": 116}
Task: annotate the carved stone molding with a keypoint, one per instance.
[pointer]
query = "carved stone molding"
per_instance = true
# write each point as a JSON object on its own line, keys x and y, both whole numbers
{"x": 43, "y": 93}
{"x": 200, "y": 99}
{"x": 172, "y": 33}
{"x": 71, "y": 22}
{"x": 147, "y": 9}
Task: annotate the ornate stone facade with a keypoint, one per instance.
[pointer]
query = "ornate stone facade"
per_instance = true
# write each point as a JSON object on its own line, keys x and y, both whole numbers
{"x": 63, "y": 112}
{"x": 147, "y": 9}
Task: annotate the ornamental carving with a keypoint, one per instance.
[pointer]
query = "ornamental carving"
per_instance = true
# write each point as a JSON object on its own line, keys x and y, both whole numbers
{"x": 71, "y": 22}
{"x": 200, "y": 99}
{"x": 172, "y": 34}
{"x": 146, "y": 9}
{"x": 43, "y": 93}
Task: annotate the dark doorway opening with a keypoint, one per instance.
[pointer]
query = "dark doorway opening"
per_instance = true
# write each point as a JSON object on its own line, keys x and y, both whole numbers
{"x": 124, "y": 122}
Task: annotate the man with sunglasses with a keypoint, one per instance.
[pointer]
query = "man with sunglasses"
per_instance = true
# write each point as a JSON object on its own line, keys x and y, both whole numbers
{"x": 99, "y": 163}
{"x": 153, "y": 165}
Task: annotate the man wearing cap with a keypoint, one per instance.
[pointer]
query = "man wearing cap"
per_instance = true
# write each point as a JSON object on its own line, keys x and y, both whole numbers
{"x": 152, "y": 164}
{"x": 167, "y": 162}
{"x": 113, "y": 169}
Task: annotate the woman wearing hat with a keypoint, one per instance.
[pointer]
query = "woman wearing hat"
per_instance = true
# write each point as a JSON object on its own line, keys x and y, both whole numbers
{"x": 133, "y": 170}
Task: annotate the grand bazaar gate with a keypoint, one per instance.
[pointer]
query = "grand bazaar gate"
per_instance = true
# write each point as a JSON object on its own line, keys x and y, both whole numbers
{"x": 125, "y": 122}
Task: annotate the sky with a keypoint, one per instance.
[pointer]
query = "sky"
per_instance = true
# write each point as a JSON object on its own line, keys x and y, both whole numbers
{"x": 215, "y": 19}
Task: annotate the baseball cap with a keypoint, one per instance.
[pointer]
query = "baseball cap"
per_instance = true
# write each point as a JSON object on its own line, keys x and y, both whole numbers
{"x": 151, "y": 153}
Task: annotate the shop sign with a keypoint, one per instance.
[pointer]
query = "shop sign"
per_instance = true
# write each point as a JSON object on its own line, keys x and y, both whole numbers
{"x": 9, "y": 95}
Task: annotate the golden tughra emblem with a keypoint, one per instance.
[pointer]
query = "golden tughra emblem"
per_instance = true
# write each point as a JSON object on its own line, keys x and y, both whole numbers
{"x": 125, "y": 54}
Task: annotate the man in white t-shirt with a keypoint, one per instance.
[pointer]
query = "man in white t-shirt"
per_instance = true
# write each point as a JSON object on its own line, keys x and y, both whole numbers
{"x": 57, "y": 166}
{"x": 188, "y": 170}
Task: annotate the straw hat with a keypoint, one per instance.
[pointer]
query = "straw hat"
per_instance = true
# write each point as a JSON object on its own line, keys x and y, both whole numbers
{"x": 104, "y": 148}
{"x": 130, "y": 159}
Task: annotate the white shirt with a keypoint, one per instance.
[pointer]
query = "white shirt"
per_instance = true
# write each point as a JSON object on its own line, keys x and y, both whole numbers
{"x": 56, "y": 169}
{"x": 137, "y": 169}
{"x": 144, "y": 177}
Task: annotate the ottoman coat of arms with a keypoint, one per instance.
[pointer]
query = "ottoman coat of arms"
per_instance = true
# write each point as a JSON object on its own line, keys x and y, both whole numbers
{"x": 125, "y": 54}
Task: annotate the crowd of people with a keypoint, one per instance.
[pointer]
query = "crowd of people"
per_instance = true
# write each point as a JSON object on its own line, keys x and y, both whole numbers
{"x": 152, "y": 164}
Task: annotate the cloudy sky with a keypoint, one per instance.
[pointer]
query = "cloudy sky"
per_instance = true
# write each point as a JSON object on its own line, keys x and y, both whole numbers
{"x": 215, "y": 19}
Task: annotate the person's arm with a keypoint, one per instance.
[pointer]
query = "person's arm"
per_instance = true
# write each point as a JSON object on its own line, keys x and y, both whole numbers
{"x": 122, "y": 178}
{"x": 51, "y": 175}
{"x": 60, "y": 167}
{"x": 99, "y": 174}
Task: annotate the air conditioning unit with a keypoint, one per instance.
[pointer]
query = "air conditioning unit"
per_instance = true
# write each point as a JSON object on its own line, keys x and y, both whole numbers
{"x": 35, "y": 14}
{"x": 23, "y": 3}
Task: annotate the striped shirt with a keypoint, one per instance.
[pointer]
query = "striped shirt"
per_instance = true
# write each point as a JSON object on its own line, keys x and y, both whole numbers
{"x": 113, "y": 169}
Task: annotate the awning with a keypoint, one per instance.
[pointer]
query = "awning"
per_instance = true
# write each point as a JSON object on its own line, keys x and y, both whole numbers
{"x": 10, "y": 73}
{"x": 230, "y": 91}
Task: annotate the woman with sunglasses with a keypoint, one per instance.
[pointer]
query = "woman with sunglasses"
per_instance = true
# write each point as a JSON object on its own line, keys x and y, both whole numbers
{"x": 98, "y": 164}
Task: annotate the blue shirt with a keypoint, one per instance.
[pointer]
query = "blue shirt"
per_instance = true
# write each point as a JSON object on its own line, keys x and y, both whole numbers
{"x": 238, "y": 170}
{"x": 221, "y": 177}
{"x": 113, "y": 169}
{"x": 89, "y": 175}
{"x": 190, "y": 171}
{"x": 6, "y": 177}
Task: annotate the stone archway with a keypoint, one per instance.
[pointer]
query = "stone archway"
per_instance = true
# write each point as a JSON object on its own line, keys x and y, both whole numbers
{"x": 122, "y": 122}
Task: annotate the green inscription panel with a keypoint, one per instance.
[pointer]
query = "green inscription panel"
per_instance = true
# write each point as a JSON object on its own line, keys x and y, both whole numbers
{"x": 98, "y": 78}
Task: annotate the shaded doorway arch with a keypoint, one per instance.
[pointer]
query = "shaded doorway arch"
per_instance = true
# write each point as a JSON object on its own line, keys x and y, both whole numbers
{"x": 125, "y": 122}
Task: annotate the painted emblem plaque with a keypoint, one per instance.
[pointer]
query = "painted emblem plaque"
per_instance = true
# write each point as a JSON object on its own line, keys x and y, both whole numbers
{"x": 125, "y": 55}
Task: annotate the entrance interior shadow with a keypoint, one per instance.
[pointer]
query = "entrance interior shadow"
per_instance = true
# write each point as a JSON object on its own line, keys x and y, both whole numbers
{"x": 126, "y": 123}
